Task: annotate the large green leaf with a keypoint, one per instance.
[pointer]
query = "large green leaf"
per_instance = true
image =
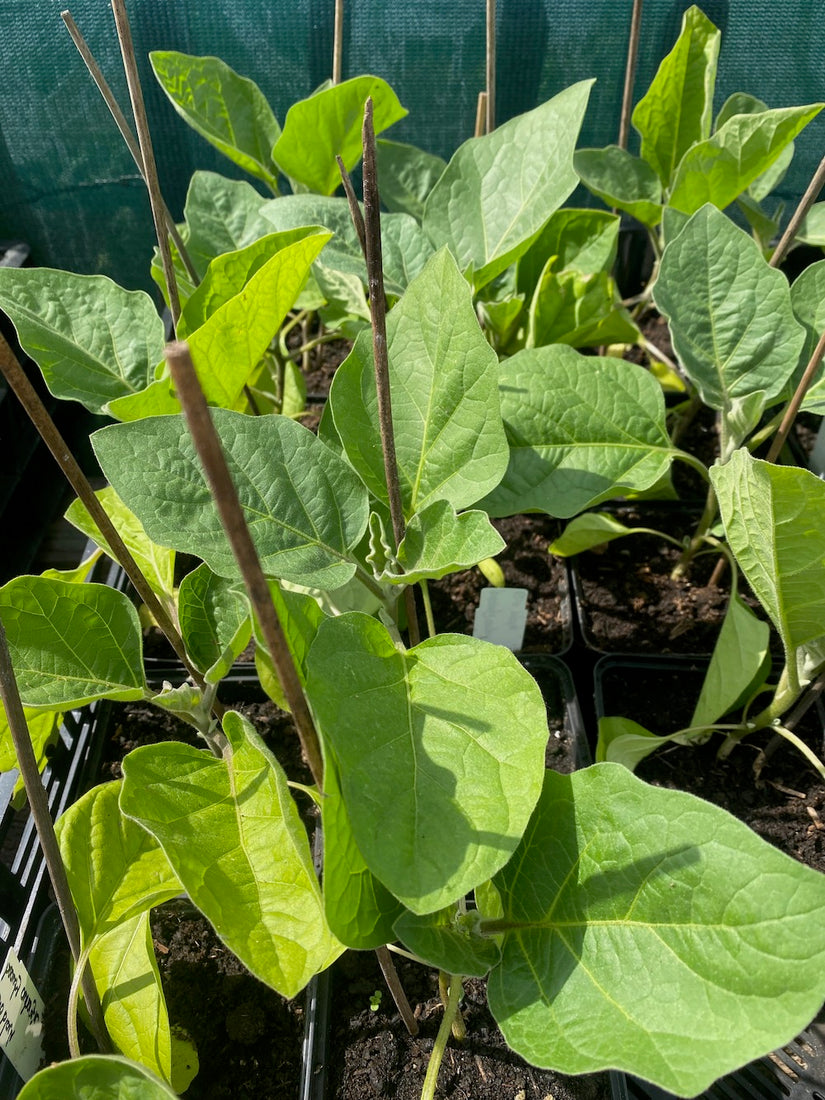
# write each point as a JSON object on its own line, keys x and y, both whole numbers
{"x": 808, "y": 301}
{"x": 449, "y": 439}
{"x": 581, "y": 240}
{"x": 71, "y": 643}
{"x": 676, "y": 110}
{"x": 407, "y": 176}
{"x": 95, "y": 1077}
{"x": 214, "y": 622}
{"x": 229, "y": 110}
{"x": 582, "y": 310}
{"x": 649, "y": 931}
{"x": 581, "y": 428}
{"x": 157, "y": 563}
{"x": 92, "y": 340}
{"x": 622, "y": 180}
{"x": 774, "y": 519}
{"x": 328, "y": 124}
{"x": 305, "y": 507}
{"x": 228, "y": 346}
{"x": 232, "y": 832}
{"x": 499, "y": 190}
{"x": 725, "y": 165}
{"x": 730, "y": 314}
{"x": 439, "y": 749}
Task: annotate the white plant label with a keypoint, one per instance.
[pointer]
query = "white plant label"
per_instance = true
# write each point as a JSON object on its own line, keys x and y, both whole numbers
{"x": 502, "y": 616}
{"x": 21, "y": 1017}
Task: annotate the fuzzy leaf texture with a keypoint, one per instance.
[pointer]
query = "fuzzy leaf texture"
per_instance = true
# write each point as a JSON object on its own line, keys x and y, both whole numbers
{"x": 439, "y": 750}
{"x": 232, "y": 832}
{"x": 651, "y": 932}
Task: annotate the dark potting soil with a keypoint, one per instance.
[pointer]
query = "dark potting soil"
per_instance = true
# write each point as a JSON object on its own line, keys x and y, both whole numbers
{"x": 783, "y": 805}
{"x": 526, "y": 564}
{"x": 628, "y": 601}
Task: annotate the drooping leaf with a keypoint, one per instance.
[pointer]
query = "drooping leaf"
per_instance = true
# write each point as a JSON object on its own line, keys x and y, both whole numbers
{"x": 738, "y": 663}
{"x": 591, "y": 529}
{"x": 623, "y": 741}
{"x": 449, "y": 940}
{"x": 774, "y": 519}
{"x": 438, "y": 541}
{"x": 580, "y": 240}
{"x": 93, "y": 340}
{"x": 439, "y": 749}
{"x": 214, "y": 622}
{"x": 157, "y": 563}
{"x": 450, "y": 443}
{"x": 581, "y": 310}
{"x": 722, "y": 167}
{"x": 730, "y": 314}
{"x": 334, "y": 118}
{"x": 71, "y": 643}
{"x": 229, "y": 110}
{"x": 95, "y": 1077}
{"x": 228, "y": 346}
{"x": 622, "y": 180}
{"x": 305, "y": 506}
{"x": 582, "y": 429}
{"x": 808, "y": 301}
{"x": 407, "y": 176}
{"x": 234, "y": 837}
{"x": 499, "y": 190}
{"x": 360, "y": 910}
{"x": 676, "y": 110}
{"x": 639, "y": 935}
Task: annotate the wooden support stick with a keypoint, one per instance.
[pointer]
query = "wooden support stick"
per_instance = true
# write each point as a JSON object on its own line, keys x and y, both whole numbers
{"x": 126, "y": 133}
{"x": 150, "y": 171}
{"x": 630, "y": 73}
{"x": 794, "y": 404}
{"x": 490, "y": 106}
{"x": 799, "y": 215}
{"x": 338, "y": 43}
{"x": 481, "y": 114}
{"x": 212, "y": 458}
{"x": 39, "y": 807}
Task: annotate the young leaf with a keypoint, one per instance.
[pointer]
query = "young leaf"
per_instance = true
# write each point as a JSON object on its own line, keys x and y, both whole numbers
{"x": 155, "y": 562}
{"x": 306, "y": 508}
{"x": 438, "y": 541}
{"x": 676, "y": 110}
{"x": 448, "y": 940}
{"x": 407, "y": 176}
{"x": 439, "y": 749}
{"x": 229, "y": 110}
{"x": 228, "y": 346}
{"x": 581, "y": 310}
{"x": 71, "y": 643}
{"x": 444, "y": 383}
{"x": 580, "y": 240}
{"x": 214, "y": 622}
{"x": 582, "y": 429}
{"x": 622, "y": 180}
{"x": 232, "y": 832}
{"x": 722, "y": 167}
{"x": 96, "y": 1075}
{"x": 730, "y": 314}
{"x": 591, "y": 529}
{"x": 333, "y": 117}
{"x": 92, "y": 340}
{"x": 738, "y": 664}
{"x": 774, "y": 519}
{"x": 640, "y": 936}
{"x": 499, "y": 190}
{"x": 623, "y": 741}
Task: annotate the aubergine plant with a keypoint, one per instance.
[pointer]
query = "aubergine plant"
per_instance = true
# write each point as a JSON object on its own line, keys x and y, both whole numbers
{"x": 618, "y": 925}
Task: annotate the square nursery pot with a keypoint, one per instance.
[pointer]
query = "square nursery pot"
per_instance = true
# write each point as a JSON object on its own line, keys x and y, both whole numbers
{"x": 775, "y": 808}
{"x": 350, "y": 1043}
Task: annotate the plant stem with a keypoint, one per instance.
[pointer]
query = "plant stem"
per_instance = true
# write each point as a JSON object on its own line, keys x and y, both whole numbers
{"x": 457, "y": 1027}
{"x": 338, "y": 42}
{"x": 150, "y": 172}
{"x": 793, "y": 406}
{"x": 428, "y": 609}
{"x": 490, "y": 104}
{"x": 396, "y": 989}
{"x": 440, "y": 1045}
{"x": 126, "y": 134}
{"x": 481, "y": 114}
{"x": 805, "y": 204}
{"x": 630, "y": 73}
{"x": 212, "y": 458}
{"x": 44, "y": 424}
{"x": 39, "y": 808}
